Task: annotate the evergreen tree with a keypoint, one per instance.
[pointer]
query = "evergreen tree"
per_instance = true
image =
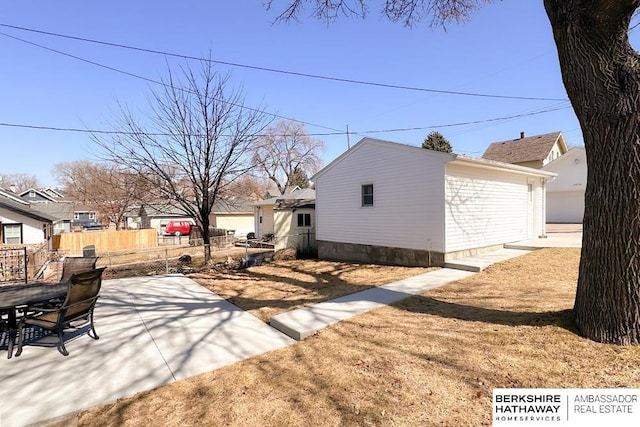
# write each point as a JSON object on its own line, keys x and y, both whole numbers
{"x": 299, "y": 178}
{"x": 435, "y": 141}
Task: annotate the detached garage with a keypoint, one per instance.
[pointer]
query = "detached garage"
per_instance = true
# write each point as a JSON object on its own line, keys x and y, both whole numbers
{"x": 397, "y": 204}
{"x": 565, "y": 194}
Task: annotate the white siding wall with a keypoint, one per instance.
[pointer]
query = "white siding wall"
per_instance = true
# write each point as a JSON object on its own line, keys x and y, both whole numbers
{"x": 565, "y": 194}
{"x": 289, "y": 235}
{"x": 572, "y": 171}
{"x": 554, "y": 153}
{"x": 486, "y": 207}
{"x": 31, "y": 229}
{"x": 540, "y": 220}
{"x": 408, "y": 209}
{"x": 266, "y": 227}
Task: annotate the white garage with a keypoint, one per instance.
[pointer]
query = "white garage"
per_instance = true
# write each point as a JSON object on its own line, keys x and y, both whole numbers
{"x": 565, "y": 194}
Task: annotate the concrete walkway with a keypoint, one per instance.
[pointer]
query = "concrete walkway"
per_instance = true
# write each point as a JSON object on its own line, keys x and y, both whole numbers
{"x": 303, "y": 322}
{"x": 306, "y": 321}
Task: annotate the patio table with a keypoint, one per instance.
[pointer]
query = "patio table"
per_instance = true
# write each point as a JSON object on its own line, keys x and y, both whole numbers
{"x": 14, "y": 296}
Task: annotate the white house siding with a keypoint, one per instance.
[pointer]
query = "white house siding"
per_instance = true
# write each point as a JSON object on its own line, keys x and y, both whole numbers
{"x": 32, "y": 229}
{"x": 289, "y": 235}
{"x": 264, "y": 220}
{"x": 487, "y": 207}
{"x": 554, "y": 153}
{"x": 408, "y": 186}
{"x": 565, "y": 194}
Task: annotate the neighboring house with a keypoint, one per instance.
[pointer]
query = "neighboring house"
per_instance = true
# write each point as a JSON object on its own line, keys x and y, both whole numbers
{"x": 233, "y": 215}
{"x": 155, "y": 215}
{"x": 51, "y": 202}
{"x": 275, "y": 193}
{"x": 390, "y": 203}
{"x": 565, "y": 194}
{"x": 20, "y": 224}
{"x": 40, "y": 196}
{"x": 63, "y": 212}
{"x": 533, "y": 151}
{"x": 84, "y": 213}
{"x": 290, "y": 218}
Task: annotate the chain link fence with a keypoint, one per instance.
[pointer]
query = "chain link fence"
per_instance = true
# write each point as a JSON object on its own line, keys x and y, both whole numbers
{"x": 175, "y": 254}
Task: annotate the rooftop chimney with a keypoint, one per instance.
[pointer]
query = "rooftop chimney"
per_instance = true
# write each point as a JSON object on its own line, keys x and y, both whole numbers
{"x": 521, "y": 135}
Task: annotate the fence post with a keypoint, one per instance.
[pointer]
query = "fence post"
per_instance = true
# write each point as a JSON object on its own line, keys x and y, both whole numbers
{"x": 166, "y": 259}
{"x": 26, "y": 276}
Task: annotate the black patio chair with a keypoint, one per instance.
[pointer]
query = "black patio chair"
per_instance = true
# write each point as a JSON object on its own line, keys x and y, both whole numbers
{"x": 78, "y": 305}
{"x": 4, "y": 327}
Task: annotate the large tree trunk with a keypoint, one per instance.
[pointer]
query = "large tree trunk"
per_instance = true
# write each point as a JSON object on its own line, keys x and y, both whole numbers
{"x": 601, "y": 73}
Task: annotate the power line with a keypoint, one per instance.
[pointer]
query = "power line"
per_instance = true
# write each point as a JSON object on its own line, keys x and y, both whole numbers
{"x": 274, "y": 70}
{"x": 158, "y": 82}
{"x": 474, "y": 122}
{"x": 108, "y": 132}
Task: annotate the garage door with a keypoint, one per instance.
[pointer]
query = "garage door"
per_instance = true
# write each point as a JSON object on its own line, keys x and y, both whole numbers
{"x": 565, "y": 206}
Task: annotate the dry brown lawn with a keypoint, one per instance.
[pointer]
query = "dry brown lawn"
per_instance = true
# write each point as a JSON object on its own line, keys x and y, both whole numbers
{"x": 269, "y": 289}
{"x": 430, "y": 360}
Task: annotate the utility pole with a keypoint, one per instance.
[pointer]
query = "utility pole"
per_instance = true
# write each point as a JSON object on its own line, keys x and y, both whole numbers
{"x": 348, "y": 140}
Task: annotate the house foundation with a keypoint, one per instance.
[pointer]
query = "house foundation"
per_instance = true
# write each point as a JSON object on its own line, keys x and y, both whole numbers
{"x": 339, "y": 251}
{"x": 379, "y": 254}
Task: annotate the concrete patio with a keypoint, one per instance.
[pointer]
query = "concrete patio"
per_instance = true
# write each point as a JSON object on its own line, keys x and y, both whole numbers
{"x": 153, "y": 331}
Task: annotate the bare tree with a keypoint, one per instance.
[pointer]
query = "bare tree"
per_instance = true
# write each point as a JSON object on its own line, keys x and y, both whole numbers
{"x": 192, "y": 144}
{"x": 286, "y": 150}
{"x": 19, "y": 182}
{"x": 246, "y": 188}
{"x": 105, "y": 186}
{"x": 601, "y": 73}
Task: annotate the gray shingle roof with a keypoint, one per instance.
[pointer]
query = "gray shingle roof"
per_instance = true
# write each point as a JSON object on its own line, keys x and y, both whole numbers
{"x": 26, "y": 210}
{"x": 61, "y": 210}
{"x": 520, "y": 150}
{"x": 298, "y": 199}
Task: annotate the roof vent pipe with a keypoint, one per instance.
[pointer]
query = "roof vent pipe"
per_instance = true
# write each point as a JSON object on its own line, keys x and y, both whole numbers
{"x": 521, "y": 135}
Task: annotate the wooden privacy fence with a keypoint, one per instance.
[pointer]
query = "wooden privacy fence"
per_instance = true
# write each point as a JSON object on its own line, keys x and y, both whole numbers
{"x": 105, "y": 241}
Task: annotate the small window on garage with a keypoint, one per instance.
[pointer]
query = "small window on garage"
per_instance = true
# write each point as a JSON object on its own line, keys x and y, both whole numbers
{"x": 367, "y": 195}
{"x": 304, "y": 220}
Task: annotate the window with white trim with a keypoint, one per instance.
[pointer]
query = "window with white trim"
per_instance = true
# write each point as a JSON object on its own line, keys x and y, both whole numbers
{"x": 367, "y": 195}
{"x": 12, "y": 234}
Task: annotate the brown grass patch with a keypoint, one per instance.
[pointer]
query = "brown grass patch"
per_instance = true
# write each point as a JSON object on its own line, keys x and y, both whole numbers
{"x": 281, "y": 286}
{"x": 430, "y": 360}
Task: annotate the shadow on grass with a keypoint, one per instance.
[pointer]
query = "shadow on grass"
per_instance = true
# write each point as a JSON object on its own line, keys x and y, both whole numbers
{"x": 317, "y": 287}
{"x": 427, "y": 305}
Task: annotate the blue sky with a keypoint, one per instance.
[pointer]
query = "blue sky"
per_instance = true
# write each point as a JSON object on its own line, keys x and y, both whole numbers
{"x": 505, "y": 49}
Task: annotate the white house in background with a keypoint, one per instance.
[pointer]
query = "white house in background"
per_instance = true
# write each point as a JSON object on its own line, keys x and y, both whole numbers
{"x": 290, "y": 218}
{"x": 234, "y": 216}
{"x": 22, "y": 225}
{"x": 565, "y": 194}
{"x": 397, "y": 204}
{"x": 532, "y": 151}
